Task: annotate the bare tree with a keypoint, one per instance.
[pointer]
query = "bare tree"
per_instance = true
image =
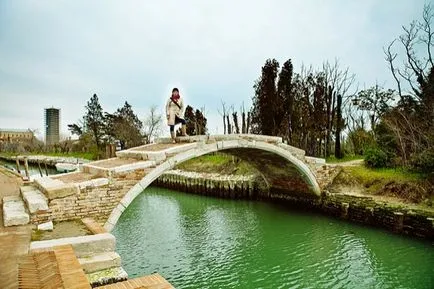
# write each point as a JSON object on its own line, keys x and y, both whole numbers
{"x": 243, "y": 119}
{"x": 229, "y": 124}
{"x": 235, "y": 119}
{"x": 249, "y": 117}
{"x": 153, "y": 124}
{"x": 417, "y": 36}
{"x": 223, "y": 114}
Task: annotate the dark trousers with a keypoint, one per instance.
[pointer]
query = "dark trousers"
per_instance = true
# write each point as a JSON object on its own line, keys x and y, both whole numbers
{"x": 177, "y": 120}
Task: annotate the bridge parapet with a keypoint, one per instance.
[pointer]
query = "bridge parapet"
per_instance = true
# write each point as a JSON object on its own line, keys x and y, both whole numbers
{"x": 222, "y": 137}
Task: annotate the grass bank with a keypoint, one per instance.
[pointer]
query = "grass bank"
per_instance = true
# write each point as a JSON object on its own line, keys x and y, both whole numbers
{"x": 218, "y": 163}
{"x": 399, "y": 183}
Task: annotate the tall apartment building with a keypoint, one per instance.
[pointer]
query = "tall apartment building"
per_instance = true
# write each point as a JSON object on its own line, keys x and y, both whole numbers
{"x": 52, "y": 125}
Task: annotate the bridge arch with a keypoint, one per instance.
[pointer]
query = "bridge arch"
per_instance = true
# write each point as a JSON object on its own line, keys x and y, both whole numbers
{"x": 202, "y": 149}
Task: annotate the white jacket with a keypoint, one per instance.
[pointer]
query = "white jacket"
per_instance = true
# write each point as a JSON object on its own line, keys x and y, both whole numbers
{"x": 173, "y": 110}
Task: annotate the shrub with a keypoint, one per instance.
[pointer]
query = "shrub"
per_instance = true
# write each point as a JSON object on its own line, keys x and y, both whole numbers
{"x": 376, "y": 158}
{"x": 423, "y": 162}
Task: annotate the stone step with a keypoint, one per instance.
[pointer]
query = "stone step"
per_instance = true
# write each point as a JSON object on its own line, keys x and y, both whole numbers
{"x": 14, "y": 211}
{"x": 143, "y": 153}
{"x": 83, "y": 245}
{"x": 107, "y": 172}
{"x": 53, "y": 188}
{"x": 107, "y": 276}
{"x": 100, "y": 262}
{"x": 35, "y": 200}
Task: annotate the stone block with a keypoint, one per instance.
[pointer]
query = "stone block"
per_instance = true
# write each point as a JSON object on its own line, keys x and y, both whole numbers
{"x": 107, "y": 276}
{"x": 35, "y": 200}
{"x": 133, "y": 166}
{"x": 14, "y": 212}
{"x": 48, "y": 226}
{"x": 132, "y": 194}
{"x": 27, "y": 189}
{"x": 83, "y": 245}
{"x": 94, "y": 183}
{"x": 157, "y": 156}
{"x": 100, "y": 262}
{"x": 55, "y": 189}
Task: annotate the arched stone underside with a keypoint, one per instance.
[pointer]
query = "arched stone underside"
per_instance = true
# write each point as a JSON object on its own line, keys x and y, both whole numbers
{"x": 281, "y": 168}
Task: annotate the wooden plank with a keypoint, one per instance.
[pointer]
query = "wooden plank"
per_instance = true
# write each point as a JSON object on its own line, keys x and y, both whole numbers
{"x": 39, "y": 270}
{"x": 72, "y": 274}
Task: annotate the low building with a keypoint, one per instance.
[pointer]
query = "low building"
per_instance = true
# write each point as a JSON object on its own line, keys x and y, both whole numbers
{"x": 16, "y": 135}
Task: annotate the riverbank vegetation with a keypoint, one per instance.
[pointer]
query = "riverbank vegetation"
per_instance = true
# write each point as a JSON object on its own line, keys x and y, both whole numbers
{"x": 219, "y": 163}
{"x": 403, "y": 185}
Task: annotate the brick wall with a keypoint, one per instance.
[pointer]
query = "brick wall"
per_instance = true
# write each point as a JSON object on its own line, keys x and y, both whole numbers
{"x": 96, "y": 202}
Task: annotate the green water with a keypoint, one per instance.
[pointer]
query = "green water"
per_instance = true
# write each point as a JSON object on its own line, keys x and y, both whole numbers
{"x": 202, "y": 242}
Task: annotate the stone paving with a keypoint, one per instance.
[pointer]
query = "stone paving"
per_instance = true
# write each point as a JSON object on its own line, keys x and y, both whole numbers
{"x": 75, "y": 177}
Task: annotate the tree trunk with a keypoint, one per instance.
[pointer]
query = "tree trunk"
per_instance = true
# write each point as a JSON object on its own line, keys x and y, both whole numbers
{"x": 224, "y": 124}
{"x": 229, "y": 124}
{"x": 328, "y": 137}
{"x": 243, "y": 124}
{"x": 338, "y": 152}
{"x": 237, "y": 127}
{"x": 248, "y": 122}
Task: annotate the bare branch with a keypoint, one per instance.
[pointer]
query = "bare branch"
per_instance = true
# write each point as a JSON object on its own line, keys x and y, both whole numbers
{"x": 390, "y": 57}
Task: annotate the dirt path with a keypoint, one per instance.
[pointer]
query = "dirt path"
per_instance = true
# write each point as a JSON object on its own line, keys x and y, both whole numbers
{"x": 352, "y": 163}
{"x": 14, "y": 241}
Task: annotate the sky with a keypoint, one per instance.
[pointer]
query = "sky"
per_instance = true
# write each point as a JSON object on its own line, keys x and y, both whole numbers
{"x": 59, "y": 53}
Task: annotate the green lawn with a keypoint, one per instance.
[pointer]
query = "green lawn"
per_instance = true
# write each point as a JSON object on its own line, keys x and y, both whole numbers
{"x": 366, "y": 175}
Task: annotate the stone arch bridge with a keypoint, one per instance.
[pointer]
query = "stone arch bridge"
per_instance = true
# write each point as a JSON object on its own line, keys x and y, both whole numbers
{"x": 104, "y": 189}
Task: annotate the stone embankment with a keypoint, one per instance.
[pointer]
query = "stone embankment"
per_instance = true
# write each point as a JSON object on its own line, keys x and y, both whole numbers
{"x": 361, "y": 209}
{"x": 225, "y": 186}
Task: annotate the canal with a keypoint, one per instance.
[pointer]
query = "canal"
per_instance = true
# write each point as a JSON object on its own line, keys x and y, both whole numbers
{"x": 33, "y": 169}
{"x": 203, "y": 242}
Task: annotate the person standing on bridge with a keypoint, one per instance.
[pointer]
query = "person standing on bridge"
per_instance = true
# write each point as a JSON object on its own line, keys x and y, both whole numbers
{"x": 175, "y": 113}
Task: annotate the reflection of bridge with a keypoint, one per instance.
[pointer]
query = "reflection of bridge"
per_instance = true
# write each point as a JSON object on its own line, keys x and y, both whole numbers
{"x": 104, "y": 189}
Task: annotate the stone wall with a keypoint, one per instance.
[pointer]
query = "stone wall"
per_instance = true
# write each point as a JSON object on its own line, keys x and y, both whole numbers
{"x": 224, "y": 186}
{"x": 367, "y": 211}
{"x": 91, "y": 201}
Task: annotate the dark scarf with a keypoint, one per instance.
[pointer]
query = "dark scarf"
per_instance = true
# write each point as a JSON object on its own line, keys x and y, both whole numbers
{"x": 175, "y": 99}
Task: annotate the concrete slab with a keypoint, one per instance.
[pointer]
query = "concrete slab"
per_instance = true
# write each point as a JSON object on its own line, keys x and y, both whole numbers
{"x": 83, "y": 246}
{"x": 14, "y": 211}
{"x": 100, "y": 262}
{"x": 35, "y": 200}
